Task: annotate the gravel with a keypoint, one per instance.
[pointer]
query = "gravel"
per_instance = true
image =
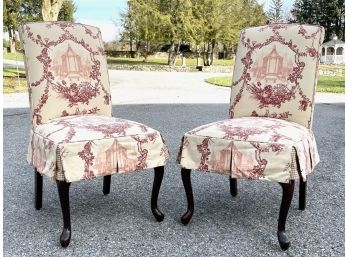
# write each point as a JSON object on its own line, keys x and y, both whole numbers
{"x": 121, "y": 223}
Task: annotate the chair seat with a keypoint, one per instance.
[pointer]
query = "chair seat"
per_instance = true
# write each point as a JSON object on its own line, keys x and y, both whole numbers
{"x": 86, "y": 146}
{"x": 250, "y": 147}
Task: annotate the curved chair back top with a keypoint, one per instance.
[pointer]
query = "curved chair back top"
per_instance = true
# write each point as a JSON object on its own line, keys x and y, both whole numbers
{"x": 275, "y": 72}
{"x": 66, "y": 70}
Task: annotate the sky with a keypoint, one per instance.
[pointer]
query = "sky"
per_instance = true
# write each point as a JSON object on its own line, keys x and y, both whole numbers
{"x": 105, "y": 13}
{"x": 102, "y": 14}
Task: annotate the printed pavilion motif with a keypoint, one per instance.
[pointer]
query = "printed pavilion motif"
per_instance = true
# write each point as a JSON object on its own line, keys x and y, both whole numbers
{"x": 272, "y": 68}
{"x": 71, "y": 65}
{"x": 74, "y": 137}
{"x": 271, "y": 109}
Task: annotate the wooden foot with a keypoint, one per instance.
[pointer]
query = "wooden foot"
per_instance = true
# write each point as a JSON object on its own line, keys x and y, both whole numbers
{"x": 38, "y": 190}
{"x": 233, "y": 186}
{"x": 106, "y": 184}
{"x": 159, "y": 216}
{"x": 288, "y": 190}
{"x": 302, "y": 194}
{"x": 63, "y": 191}
{"x": 186, "y": 179}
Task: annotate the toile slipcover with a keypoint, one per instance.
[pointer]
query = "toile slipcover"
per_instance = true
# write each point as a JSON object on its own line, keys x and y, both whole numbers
{"x": 268, "y": 135}
{"x": 74, "y": 136}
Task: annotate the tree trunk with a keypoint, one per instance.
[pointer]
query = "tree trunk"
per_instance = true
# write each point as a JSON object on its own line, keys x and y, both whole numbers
{"x": 171, "y": 54}
{"x": 207, "y": 55}
{"x": 147, "y": 51}
{"x": 50, "y": 9}
{"x": 12, "y": 40}
{"x": 198, "y": 63}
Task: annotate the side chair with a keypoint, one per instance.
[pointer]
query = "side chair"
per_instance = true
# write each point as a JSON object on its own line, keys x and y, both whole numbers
{"x": 268, "y": 135}
{"x": 74, "y": 136}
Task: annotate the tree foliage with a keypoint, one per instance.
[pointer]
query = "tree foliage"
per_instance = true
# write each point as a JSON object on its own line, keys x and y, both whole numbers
{"x": 16, "y": 12}
{"x": 204, "y": 24}
{"x": 275, "y": 14}
{"x": 329, "y": 14}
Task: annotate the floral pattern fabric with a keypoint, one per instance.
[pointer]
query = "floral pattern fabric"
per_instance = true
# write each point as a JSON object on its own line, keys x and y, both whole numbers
{"x": 92, "y": 145}
{"x": 74, "y": 136}
{"x": 250, "y": 147}
{"x": 66, "y": 70}
{"x": 275, "y": 72}
{"x": 271, "y": 109}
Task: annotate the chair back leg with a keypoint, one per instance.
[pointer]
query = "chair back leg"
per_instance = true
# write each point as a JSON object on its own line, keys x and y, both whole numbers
{"x": 186, "y": 179}
{"x": 38, "y": 190}
{"x": 159, "y": 216}
{"x": 233, "y": 186}
{"x": 106, "y": 184}
{"x": 288, "y": 191}
{"x": 63, "y": 191}
{"x": 302, "y": 194}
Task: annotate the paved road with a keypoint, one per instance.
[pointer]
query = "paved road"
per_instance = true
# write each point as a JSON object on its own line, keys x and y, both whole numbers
{"x": 139, "y": 87}
{"x": 12, "y": 64}
{"x": 121, "y": 224}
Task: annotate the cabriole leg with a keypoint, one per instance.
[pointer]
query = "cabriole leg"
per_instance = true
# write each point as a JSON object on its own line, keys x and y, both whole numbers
{"x": 233, "y": 186}
{"x": 106, "y": 184}
{"x": 38, "y": 190}
{"x": 302, "y": 194}
{"x": 288, "y": 190}
{"x": 186, "y": 179}
{"x": 63, "y": 191}
{"x": 155, "y": 191}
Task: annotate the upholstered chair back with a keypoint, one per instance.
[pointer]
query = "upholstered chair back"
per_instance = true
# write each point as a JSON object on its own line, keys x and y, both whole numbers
{"x": 66, "y": 70}
{"x": 276, "y": 71}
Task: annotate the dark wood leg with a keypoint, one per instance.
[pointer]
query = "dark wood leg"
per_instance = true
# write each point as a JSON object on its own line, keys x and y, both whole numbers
{"x": 186, "y": 179}
{"x": 233, "y": 186}
{"x": 155, "y": 191}
{"x": 106, "y": 184}
{"x": 63, "y": 191}
{"x": 38, "y": 190}
{"x": 302, "y": 195}
{"x": 288, "y": 190}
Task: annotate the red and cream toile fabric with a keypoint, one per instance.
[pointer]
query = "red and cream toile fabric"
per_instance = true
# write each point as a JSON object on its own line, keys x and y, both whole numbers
{"x": 271, "y": 109}
{"x": 66, "y": 70}
{"x": 276, "y": 71}
{"x": 250, "y": 147}
{"x": 92, "y": 145}
{"x": 74, "y": 136}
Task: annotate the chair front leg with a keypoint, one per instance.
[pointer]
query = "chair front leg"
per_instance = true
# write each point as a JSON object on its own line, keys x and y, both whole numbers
{"x": 38, "y": 190}
{"x": 106, "y": 184}
{"x": 288, "y": 190}
{"x": 233, "y": 186}
{"x": 186, "y": 179}
{"x": 302, "y": 194}
{"x": 63, "y": 191}
{"x": 159, "y": 216}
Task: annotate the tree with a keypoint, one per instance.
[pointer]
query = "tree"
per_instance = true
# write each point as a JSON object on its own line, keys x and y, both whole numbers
{"x": 275, "y": 12}
{"x": 20, "y": 11}
{"x": 176, "y": 25}
{"x": 220, "y": 21}
{"x": 67, "y": 11}
{"x": 329, "y": 14}
{"x": 50, "y": 9}
{"x": 203, "y": 24}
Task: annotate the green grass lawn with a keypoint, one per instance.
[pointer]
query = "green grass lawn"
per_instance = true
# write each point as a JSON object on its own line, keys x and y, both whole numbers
{"x": 325, "y": 84}
{"x": 138, "y": 61}
{"x": 11, "y": 83}
{"x": 191, "y": 62}
{"x": 13, "y": 56}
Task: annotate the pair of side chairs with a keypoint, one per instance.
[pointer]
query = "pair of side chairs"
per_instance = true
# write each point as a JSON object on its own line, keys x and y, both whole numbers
{"x": 267, "y": 136}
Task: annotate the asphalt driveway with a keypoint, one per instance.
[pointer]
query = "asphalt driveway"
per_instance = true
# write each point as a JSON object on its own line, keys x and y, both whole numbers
{"x": 121, "y": 224}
